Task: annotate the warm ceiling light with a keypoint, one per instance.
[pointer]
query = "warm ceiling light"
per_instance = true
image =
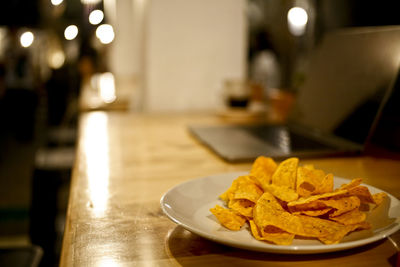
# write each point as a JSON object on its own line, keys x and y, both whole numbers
{"x": 105, "y": 33}
{"x": 96, "y": 16}
{"x": 56, "y": 59}
{"x": 71, "y": 32}
{"x": 56, "y": 2}
{"x": 297, "y": 20}
{"x": 26, "y": 39}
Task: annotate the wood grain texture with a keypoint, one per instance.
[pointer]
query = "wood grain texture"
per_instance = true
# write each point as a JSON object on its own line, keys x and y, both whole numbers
{"x": 124, "y": 164}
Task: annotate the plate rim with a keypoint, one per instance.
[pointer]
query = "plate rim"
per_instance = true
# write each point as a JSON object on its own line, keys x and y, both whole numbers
{"x": 266, "y": 247}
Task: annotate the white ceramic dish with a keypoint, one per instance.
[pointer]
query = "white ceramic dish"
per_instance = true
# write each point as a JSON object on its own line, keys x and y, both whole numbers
{"x": 188, "y": 204}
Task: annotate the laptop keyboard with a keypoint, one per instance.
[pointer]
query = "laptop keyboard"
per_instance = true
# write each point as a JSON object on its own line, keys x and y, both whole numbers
{"x": 281, "y": 137}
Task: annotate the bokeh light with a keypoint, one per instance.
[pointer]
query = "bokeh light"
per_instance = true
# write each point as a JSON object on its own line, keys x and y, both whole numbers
{"x": 56, "y": 59}
{"x": 105, "y": 33}
{"x": 71, "y": 32}
{"x": 56, "y": 2}
{"x": 26, "y": 39}
{"x": 297, "y": 20}
{"x": 96, "y": 16}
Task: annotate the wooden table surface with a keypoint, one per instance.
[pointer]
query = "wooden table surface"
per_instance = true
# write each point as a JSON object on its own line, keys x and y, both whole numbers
{"x": 125, "y": 162}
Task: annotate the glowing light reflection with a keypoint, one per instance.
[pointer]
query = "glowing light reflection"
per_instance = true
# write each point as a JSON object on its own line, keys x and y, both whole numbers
{"x": 107, "y": 87}
{"x": 97, "y": 161}
{"x": 284, "y": 142}
{"x": 56, "y": 59}
{"x": 71, "y": 32}
{"x": 26, "y": 39}
{"x": 96, "y": 16}
{"x": 105, "y": 33}
{"x": 297, "y": 21}
{"x": 56, "y": 2}
{"x": 108, "y": 262}
{"x": 104, "y": 86}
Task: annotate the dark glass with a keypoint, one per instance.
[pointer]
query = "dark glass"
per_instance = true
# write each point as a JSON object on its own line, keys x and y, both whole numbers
{"x": 238, "y": 102}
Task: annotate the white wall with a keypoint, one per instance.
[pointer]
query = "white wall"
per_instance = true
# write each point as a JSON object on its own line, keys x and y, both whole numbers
{"x": 191, "y": 46}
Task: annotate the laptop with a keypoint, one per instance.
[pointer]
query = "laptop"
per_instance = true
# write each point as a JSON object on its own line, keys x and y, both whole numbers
{"x": 350, "y": 78}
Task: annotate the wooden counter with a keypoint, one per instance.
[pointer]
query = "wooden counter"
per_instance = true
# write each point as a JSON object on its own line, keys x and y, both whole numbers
{"x": 125, "y": 162}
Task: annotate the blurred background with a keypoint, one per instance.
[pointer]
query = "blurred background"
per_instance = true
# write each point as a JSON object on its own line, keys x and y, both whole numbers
{"x": 59, "y": 58}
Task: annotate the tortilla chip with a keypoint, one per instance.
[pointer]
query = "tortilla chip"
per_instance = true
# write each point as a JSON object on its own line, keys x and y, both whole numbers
{"x": 342, "y": 205}
{"x": 243, "y": 207}
{"x": 313, "y": 205}
{"x": 379, "y": 198}
{"x": 268, "y": 212}
{"x": 316, "y": 227}
{"x": 311, "y": 181}
{"x": 238, "y": 185}
{"x": 307, "y": 180}
{"x": 228, "y": 218}
{"x": 274, "y": 235}
{"x": 309, "y": 166}
{"x": 310, "y": 199}
{"x": 353, "y": 183}
{"x": 335, "y": 237}
{"x": 326, "y": 185}
{"x": 228, "y": 194}
{"x": 351, "y": 217}
{"x": 269, "y": 199}
{"x": 329, "y": 232}
{"x": 362, "y": 193}
{"x": 282, "y": 192}
{"x": 286, "y": 173}
{"x": 312, "y": 213}
{"x": 262, "y": 169}
{"x": 246, "y": 189}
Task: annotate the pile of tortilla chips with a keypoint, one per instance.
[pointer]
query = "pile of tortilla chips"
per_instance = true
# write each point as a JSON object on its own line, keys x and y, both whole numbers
{"x": 281, "y": 202}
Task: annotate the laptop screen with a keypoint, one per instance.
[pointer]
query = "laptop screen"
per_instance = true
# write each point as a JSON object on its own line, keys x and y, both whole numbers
{"x": 349, "y": 80}
{"x": 350, "y": 73}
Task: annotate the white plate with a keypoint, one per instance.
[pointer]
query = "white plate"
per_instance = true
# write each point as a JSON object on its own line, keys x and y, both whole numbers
{"x": 188, "y": 205}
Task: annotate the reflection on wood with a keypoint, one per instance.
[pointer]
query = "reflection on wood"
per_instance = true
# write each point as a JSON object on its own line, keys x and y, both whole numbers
{"x": 149, "y": 154}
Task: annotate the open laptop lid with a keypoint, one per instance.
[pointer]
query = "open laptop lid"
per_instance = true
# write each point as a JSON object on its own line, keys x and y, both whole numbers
{"x": 349, "y": 76}
{"x": 348, "y": 81}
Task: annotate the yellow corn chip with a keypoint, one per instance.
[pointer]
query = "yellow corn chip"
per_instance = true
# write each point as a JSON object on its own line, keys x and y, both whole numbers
{"x": 362, "y": 193}
{"x": 242, "y": 206}
{"x": 338, "y": 235}
{"x": 268, "y": 211}
{"x": 379, "y": 198}
{"x": 316, "y": 197}
{"x": 228, "y": 218}
{"x": 328, "y": 231}
{"x": 313, "y": 213}
{"x": 286, "y": 173}
{"x": 312, "y": 205}
{"x": 326, "y": 185}
{"x": 285, "y": 200}
{"x": 282, "y": 192}
{"x": 275, "y": 235}
{"x": 240, "y": 182}
{"x": 353, "y": 183}
{"x": 351, "y": 217}
{"x": 246, "y": 189}
{"x": 308, "y": 180}
{"x": 342, "y": 205}
{"x": 316, "y": 227}
{"x": 309, "y": 166}
{"x": 262, "y": 169}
